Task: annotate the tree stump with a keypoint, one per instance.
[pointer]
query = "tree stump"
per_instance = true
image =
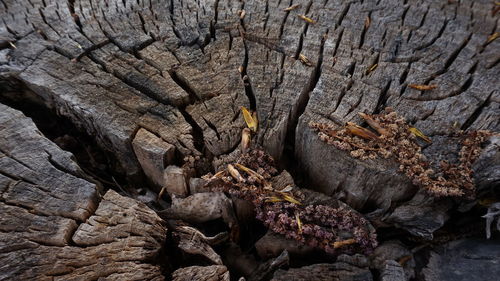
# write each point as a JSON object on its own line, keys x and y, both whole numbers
{"x": 161, "y": 83}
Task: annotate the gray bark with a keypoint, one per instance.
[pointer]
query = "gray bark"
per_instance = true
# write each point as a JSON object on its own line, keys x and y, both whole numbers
{"x": 55, "y": 226}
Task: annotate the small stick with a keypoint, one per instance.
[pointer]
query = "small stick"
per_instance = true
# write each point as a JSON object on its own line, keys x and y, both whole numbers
{"x": 342, "y": 243}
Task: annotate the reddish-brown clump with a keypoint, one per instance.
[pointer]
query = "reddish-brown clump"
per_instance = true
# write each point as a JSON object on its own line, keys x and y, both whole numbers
{"x": 398, "y": 140}
{"x": 335, "y": 230}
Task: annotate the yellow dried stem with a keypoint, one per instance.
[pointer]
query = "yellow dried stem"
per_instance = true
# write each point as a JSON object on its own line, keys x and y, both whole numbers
{"x": 374, "y": 124}
{"x": 309, "y": 20}
{"x": 299, "y": 223}
{"x": 293, "y": 7}
{"x": 333, "y": 134}
{"x": 219, "y": 174}
{"x": 273, "y": 199}
{"x": 342, "y": 243}
{"x": 250, "y": 172}
{"x": 255, "y": 119}
{"x": 305, "y": 60}
{"x": 419, "y": 134}
{"x": 492, "y": 37}
{"x": 360, "y": 131}
{"x": 422, "y": 87}
{"x": 290, "y": 198}
{"x": 372, "y": 68}
{"x": 234, "y": 173}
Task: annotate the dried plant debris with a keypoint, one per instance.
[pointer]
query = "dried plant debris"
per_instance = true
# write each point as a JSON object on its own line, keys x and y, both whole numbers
{"x": 335, "y": 230}
{"x": 293, "y": 7}
{"x": 371, "y": 68}
{"x": 250, "y": 119}
{"x": 394, "y": 138}
{"x": 305, "y": 60}
{"x": 492, "y": 37}
{"x": 307, "y": 19}
{"x": 422, "y": 87}
{"x": 246, "y": 139}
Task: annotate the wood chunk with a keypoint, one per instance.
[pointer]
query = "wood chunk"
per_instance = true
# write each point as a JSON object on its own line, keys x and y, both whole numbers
{"x": 24, "y": 260}
{"x": 174, "y": 181}
{"x": 45, "y": 195}
{"x": 108, "y": 245}
{"x": 487, "y": 167}
{"x": 191, "y": 243}
{"x": 202, "y": 207}
{"x": 121, "y": 217}
{"x": 385, "y": 257}
{"x": 38, "y": 175}
{"x": 272, "y": 245}
{"x": 201, "y": 273}
{"x": 197, "y": 185}
{"x": 422, "y": 215}
{"x": 153, "y": 154}
{"x": 471, "y": 257}
{"x": 346, "y": 268}
{"x": 240, "y": 263}
{"x": 265, "y": 269}
{"x": 46, "y": 230}
{"x": 392, "y": 271}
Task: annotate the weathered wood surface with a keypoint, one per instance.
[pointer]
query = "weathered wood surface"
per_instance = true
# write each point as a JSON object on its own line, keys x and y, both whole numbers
{"x": 55, "y": 226}
{"x": 148, "y": 77}
{"x": 202, "y": 273}
{"x": 346, "y": 268}
{"x": 461, "y": 259}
